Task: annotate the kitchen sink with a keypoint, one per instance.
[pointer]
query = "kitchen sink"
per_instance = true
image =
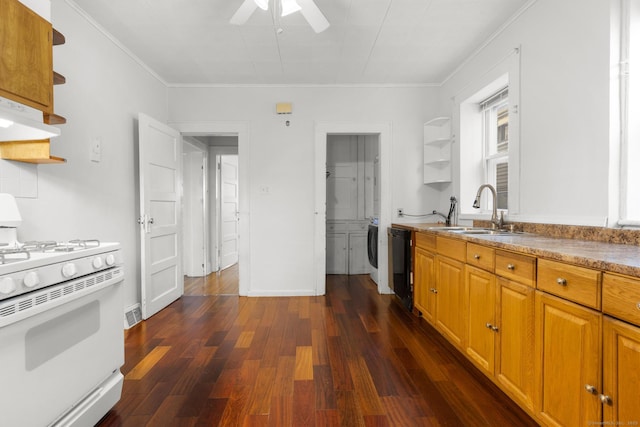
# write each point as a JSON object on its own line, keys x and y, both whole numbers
{"x": 485, "y": 231}
{"x": 474, "y": 230}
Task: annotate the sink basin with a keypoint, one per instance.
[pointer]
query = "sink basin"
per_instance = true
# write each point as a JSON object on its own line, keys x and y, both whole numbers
{"x": 474, "y": 230}
{"x": 485, "y": 231}
{"x": 452, "y": 228}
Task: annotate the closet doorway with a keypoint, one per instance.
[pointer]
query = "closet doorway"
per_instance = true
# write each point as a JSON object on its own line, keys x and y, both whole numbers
{"x": 352, "y": 201}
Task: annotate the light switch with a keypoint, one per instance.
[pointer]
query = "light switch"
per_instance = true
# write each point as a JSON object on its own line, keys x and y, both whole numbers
{"x": 96, "y": 150}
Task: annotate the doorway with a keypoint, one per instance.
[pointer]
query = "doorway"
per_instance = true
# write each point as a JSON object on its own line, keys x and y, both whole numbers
{"x": 322, "y": 131}
{"x": 212, "y": 222}
{"x": 352, "y": 200}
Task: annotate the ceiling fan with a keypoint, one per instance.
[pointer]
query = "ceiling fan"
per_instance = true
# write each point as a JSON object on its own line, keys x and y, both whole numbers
{"x": 308, "y": 8}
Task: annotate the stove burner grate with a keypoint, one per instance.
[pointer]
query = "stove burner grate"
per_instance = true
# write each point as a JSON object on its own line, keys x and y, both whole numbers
{"x": 13, "y": 254}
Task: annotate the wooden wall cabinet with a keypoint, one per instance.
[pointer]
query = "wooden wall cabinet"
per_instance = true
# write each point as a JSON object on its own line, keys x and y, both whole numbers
{"x": 27, "y": 60}
{"x": 27, "y": 76}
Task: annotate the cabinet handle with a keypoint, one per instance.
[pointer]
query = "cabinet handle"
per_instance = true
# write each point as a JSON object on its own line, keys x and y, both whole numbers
{"x": 511, "y": 267}
{"x": 606, "y": 400}
{"x": 562, "y": 282}
{"x": 494, "y": 328}
{"x": 591, "y": 389}
{"x": 488, "y": 326}
{"x": 476, "y": 256}
{"x": 434, "y": 290}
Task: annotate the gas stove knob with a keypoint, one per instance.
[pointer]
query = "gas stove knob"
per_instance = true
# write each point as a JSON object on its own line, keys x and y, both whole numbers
{"x": 97, "y": 263}
{"x": 69, "y": 270}
{"x": 7, "y": 285}
{"x": 110, "y": 260}
{"x": 31, "y": 279}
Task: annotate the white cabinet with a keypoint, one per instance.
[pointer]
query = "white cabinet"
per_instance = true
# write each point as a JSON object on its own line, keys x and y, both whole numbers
{"x": 358, "y": 258}
{"x": 337, "y": 253}
{"x": 347, "y": 247}
{"x": 437, "y": 150}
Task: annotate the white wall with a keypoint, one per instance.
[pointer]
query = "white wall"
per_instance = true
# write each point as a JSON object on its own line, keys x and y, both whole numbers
{"x": 282, "y": 158}
{"x": 105, "y": 90}
{"x": 564, "y": 108}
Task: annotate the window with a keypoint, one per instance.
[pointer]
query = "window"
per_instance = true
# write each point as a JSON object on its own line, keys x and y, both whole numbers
{"x": 495, "y": 120}
{"x": 629, "y": 111}
{"x": 489, "y": 138}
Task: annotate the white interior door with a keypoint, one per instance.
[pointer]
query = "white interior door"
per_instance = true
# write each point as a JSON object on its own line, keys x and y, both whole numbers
{"x": 160, "y": 155}
{"x": 228, "y": 211}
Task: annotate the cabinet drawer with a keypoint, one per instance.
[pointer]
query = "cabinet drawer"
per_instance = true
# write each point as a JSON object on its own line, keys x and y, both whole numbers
{"x": 358, "y": 225}
{"x": 452, "y": 248}
{"x": 577, "y": 284}
{"x": 426, "y": 241}
{"x": 481, "y": 256}
{"x": 517, "y": 267}
{"x": 336, "y": 226}
{"x": 621, "y": 297}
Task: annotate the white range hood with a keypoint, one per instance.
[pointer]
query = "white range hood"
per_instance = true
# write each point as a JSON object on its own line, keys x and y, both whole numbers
{"x": 19, "y": 122}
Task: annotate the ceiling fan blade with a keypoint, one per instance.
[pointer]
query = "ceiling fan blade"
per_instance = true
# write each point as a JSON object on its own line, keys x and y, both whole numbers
{"x": 244, "y": 12}
{"x": 313, "y": 15}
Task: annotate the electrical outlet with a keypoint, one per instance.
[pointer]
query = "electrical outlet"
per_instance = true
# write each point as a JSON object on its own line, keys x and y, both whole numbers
{"x": 400, "y": 212}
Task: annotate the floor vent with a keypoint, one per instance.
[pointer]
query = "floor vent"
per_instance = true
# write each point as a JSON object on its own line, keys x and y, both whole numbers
{"x": 132, "y": 316}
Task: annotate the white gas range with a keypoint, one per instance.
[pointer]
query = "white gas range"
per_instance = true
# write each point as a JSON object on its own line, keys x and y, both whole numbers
{"x": 60, "y": 329}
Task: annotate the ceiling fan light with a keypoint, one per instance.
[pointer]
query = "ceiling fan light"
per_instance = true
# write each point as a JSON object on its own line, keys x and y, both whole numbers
{"x": 262, "y": 4}
{"x": 289, "y": 7}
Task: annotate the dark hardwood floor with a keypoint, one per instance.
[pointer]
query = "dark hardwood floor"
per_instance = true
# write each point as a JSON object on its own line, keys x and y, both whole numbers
{"x": 223, "y": 282}
{"x": 350, "y": 358}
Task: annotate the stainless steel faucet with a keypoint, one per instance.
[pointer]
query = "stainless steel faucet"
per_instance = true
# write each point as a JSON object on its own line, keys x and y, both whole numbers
{"x": 494, "y": 215}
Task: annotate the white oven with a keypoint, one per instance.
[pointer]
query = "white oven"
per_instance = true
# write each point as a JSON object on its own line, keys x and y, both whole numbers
{"x": 61, "y": 334}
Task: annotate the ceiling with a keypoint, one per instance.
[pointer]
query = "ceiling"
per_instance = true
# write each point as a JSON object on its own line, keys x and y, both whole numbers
{"x": 403, "y": 42}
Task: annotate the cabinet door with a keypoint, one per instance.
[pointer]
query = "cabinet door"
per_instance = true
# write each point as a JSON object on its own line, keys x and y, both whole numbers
{"x": 450, "y": 299}
{"x": 27, "y": 60}
{"x": 480, "y": 300}
{"x": 424, "y": 284}
{"x": 336, "y": 253}
{"x": 621, "y": 373}
{"x": 358, "y": 259}
{"x": 515, "y": 354}
{"x": 568, "y": 362}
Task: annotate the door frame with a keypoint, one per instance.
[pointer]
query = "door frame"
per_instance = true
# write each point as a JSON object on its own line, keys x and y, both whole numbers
{"x": 322, "y": 130}
{"x": 242, "y": 130}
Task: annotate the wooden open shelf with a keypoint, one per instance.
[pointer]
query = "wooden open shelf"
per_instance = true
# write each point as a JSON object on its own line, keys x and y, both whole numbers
{"x": 58, "y": 38}
{"x": 29, "y": 152}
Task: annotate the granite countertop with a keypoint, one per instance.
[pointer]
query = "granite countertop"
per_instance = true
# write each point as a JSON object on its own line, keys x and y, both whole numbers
{"x": 613, "y": 257}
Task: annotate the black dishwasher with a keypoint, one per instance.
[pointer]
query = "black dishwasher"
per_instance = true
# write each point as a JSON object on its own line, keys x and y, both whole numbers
{"x": 400, "y": 264}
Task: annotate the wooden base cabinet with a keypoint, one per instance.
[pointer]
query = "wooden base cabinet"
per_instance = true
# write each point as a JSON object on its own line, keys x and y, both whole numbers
{"x": 500, "y": 331}
{"x": 568, "y": 362}
{"x": 480, "y": 300}
{"x": 449, "y": 318}
{"x": 514, "y": 366}
{"x": 424, "y": 284}
{"x": 621, "y": 392}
